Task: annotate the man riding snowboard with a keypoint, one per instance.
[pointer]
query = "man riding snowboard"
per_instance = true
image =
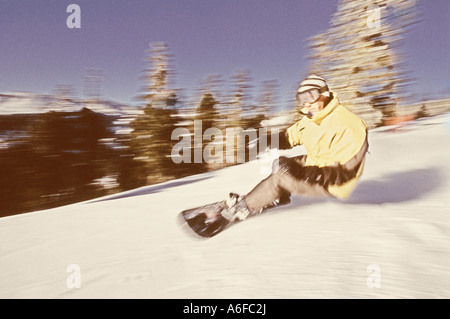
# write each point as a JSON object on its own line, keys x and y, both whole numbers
{"x": 335, "y": 140}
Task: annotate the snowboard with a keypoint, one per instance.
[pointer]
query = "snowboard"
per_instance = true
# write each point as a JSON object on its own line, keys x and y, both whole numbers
{"x": 207, "y": 220}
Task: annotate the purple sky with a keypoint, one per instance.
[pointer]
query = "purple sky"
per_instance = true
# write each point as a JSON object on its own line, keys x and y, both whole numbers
{"x": 267, "y": 37}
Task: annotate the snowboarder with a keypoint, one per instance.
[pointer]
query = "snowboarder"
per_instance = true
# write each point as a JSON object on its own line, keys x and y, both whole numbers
{"x": 335, "y": 140}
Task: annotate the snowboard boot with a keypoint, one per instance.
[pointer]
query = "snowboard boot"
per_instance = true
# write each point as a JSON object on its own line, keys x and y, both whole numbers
{"x": 235, "y": 208}
{"x": 284, "y": 199}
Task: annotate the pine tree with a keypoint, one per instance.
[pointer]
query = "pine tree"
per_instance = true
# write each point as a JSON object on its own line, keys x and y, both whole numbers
{"x": 267, "y": 100}
{"x": 150, "y": 142}
{"x": 207, "y": 114}
{"x": 239, "y": 105}
{"x": 358, "y": 56}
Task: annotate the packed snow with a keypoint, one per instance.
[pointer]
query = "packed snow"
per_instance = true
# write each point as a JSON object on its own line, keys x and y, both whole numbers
{"x": 390, "y": 239}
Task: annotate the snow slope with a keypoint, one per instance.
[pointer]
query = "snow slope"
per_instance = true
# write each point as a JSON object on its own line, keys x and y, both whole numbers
{"x": 391, "y": 239}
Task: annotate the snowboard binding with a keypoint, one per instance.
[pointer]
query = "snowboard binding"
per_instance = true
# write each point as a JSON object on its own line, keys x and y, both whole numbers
{"x": 211, "y": 219}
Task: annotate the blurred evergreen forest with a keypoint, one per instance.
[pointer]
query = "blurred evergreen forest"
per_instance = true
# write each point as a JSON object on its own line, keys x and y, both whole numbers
{"x": 57, "y": 158}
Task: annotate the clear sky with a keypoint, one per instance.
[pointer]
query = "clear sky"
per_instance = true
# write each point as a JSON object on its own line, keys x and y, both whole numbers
{"x": 268, "y": 37}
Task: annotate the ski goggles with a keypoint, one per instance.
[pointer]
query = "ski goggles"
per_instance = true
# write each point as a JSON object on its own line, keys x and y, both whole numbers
{"x": 309, "y": 96}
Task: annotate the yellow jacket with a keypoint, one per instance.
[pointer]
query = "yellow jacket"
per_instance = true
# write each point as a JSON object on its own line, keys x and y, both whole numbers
{"x": 334, "y": 135}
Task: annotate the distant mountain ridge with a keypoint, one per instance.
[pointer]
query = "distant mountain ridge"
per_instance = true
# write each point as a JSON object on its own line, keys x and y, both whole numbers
{"x": 35, "y": 103}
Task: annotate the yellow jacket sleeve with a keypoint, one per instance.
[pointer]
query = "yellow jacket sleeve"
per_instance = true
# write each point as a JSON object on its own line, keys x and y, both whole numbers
{"x": 295, "y": 133}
